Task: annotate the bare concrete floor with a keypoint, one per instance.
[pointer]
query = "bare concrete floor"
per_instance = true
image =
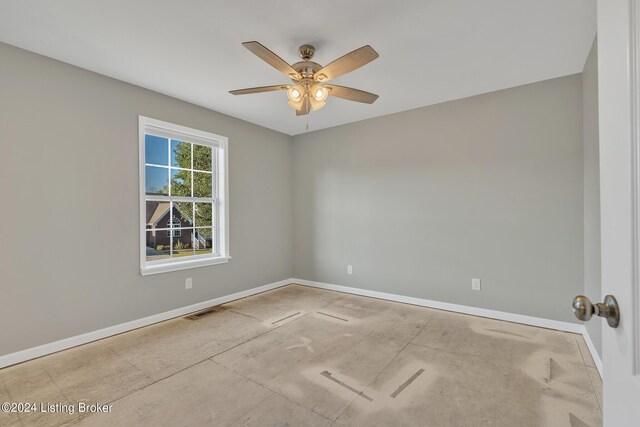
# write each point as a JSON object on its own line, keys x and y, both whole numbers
{"x": 299, "y": 356}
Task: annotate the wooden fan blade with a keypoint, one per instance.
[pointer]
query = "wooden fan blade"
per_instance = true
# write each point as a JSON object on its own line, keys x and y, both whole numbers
{"x": 258, "y": 89}
{"x": 352, "y": 94}
{"x": 272, "y": 59}
{"x": 306, "y": 107}
{"x": 347, "y": 63}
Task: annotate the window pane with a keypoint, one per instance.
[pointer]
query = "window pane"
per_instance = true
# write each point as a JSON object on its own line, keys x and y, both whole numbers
{"x": 180, "y": 154}
{"x": 202, "y": 184}
{"x": 182, "y": 242}
{"x": 202, "y": 157}
{"x": 180, "y": 183}
{"x": 203, "y": 241}
{"x": 156, "y": 150}
{"x": 157, "y": 180}
{"x": 204, "y": 214}
{"x": 182, "y": 214}
{"x": 157, "y": 215}
{"x": 158, "y": 245}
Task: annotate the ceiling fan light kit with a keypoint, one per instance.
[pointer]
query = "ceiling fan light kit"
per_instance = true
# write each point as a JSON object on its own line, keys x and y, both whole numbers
{"x": 307, "y": 93}
{"x": 316, "y": 94}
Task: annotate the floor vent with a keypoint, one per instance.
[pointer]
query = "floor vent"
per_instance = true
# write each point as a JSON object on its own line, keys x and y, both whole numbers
{"x": 206, "y": 312}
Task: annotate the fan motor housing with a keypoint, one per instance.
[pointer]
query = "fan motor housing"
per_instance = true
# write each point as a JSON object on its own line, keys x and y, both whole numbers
{"x": 307, "y": 68}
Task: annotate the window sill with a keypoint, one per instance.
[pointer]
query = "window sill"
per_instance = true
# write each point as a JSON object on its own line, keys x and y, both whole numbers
{"x": 182, "y": 265}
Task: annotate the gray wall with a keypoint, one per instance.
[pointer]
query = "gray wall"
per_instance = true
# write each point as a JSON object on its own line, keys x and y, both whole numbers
{"x": 69, "y": 259}
{"x": 418, "y": 202}
{"x": 592, "y": 190}
{"x": 422, "y": 201}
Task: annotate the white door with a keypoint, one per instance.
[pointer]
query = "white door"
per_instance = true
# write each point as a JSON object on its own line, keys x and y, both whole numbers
{"x": 618, "y": 49}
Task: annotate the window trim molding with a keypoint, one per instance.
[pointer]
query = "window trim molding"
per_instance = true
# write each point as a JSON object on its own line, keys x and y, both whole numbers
{"x": 221, "y": 190}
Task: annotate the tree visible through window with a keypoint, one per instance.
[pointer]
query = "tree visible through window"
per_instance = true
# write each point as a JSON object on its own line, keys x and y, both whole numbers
{"x": 181, "y": 195}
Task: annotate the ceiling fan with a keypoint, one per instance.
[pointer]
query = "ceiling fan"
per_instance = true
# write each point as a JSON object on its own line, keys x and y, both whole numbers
{"x": 309, "y": 90}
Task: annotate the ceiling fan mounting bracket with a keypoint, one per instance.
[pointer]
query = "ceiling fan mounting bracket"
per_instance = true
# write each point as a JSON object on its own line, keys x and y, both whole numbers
{"x": 306, "y": 51}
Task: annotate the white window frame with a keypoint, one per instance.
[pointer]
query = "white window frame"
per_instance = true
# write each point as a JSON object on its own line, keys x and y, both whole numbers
{"x": 221, "y": 195}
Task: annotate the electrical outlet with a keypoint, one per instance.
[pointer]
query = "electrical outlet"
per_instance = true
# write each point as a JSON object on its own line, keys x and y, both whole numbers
{"x": 475, "y": 284}
{"x": 188, "y": 284}
{"x": 349, "y": 269}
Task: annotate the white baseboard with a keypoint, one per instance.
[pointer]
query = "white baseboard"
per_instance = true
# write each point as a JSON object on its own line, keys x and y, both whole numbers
{"x": 53, "y": 347}
{"x": 482, "y": 312}
{"x": 42, "y": 350}
{"x": 592, "y": 350}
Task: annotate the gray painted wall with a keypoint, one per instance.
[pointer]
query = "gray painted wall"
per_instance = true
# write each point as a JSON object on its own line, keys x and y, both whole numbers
{"x": 592, "y": 191}
{"x": 418, "y": 202}
{"x": 422, "y": 201}
{"x": 69, "y": 246}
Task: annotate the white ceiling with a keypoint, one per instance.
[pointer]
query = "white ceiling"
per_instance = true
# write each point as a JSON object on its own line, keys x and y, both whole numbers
{"x": 430, "y": 50}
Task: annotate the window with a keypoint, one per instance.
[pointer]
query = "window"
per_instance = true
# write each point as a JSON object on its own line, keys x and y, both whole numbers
{"x": 174, "y": 224}
{"x": 183, "y": 198}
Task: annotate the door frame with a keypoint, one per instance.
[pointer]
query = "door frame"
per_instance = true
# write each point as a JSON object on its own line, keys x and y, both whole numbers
{"x": 634, "y": 82}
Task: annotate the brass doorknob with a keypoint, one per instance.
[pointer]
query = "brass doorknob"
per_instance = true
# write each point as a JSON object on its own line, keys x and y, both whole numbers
{"x": 584, "y": 310}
